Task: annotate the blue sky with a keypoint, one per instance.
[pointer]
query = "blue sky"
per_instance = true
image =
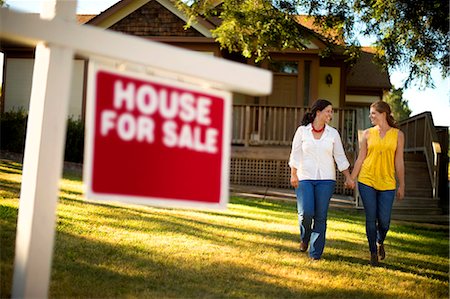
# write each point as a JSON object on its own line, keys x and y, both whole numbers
{"x": 436, "y": 100}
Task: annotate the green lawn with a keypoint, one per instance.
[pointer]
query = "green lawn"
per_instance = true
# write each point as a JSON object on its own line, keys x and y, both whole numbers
{"x": 248, "y": 251}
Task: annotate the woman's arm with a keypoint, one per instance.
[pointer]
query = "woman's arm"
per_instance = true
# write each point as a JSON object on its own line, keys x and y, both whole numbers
{"x": 361, "y": 155}
{"x": 296, "y": 156}
{"x": 342, "y": 161}
{"x": 400, "y": 165}
{"x": 294, "y": 177}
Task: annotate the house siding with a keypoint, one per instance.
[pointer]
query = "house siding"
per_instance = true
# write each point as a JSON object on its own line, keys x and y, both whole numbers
{"x": 153, "y": 19}
{"x": 19, "y": 80}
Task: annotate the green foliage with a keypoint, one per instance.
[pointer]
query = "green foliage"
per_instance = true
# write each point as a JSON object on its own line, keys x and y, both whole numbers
{"x": 399, "y": 106}
{"x": 251, "y": 28}
{"x": 13, "y": 133}
{"x": 74, "y": 141}
{"x": 410, "y": 35}
{"x": 13, "y": 126}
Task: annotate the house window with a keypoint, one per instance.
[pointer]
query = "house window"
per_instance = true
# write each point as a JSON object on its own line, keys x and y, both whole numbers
{"x": 284, "y": 67}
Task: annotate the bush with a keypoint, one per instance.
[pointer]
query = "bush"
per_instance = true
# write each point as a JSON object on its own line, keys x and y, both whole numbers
{"x": 74, "y": 141}
{"x": 13, "y": 127}
{"x": 13, "y": 131}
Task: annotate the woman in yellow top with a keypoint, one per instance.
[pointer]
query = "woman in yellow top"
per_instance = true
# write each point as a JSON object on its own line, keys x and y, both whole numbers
{"x": 380, "y": 161}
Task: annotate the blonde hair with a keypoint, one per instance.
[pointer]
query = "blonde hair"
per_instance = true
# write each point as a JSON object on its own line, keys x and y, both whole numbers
{"x": 382, "y": 106}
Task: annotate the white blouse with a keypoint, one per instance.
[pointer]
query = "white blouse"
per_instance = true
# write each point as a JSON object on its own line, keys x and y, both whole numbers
{"x": 314, "y": 158}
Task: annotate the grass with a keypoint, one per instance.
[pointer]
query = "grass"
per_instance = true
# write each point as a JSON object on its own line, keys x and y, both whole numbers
{"x": 248, "y": 251}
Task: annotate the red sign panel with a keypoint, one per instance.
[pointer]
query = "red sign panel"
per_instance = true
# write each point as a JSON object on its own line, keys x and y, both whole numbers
{"x": 156, "y": 141}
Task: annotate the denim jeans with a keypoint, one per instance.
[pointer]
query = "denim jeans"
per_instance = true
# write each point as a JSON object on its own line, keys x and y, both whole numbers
{"x": 378, "y": 207}
{"x": 313, "y": 198}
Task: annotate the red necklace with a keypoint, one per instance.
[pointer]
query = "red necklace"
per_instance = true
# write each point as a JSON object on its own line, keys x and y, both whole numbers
{"x": 317, "y": 131}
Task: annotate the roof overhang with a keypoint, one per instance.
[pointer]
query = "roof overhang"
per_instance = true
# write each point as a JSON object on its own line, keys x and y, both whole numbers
{"x": 123, "y": 8}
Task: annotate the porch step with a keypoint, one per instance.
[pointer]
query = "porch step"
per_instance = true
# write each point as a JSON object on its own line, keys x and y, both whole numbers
{"x": 435, "y": 219}
{"x": 416, "y": 202}
{"x": 415, "y": 157}
{"x": 422, "y": 211}
{"x": 418, "y": 192}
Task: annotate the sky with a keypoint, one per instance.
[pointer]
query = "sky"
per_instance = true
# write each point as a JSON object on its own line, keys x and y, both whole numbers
{"x": 436, "y": 100}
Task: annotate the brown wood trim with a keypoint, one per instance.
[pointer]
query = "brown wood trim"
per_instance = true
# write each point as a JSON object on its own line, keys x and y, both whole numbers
{"x": 84, "y": 94}
{"x": 300, "y": 82}
{"x": 342, "y": 89}
{"x": 181, "y": 39}
{"x": 356, "y": 104}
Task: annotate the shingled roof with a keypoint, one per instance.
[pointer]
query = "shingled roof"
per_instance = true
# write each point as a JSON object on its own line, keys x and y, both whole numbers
{"x": 367, "y": 74}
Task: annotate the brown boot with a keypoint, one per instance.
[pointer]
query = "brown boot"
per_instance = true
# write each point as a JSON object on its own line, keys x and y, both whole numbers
{"x": 303, "y": 246}
{"x": 381, "y": 252}
{"x": 374, "y": 259}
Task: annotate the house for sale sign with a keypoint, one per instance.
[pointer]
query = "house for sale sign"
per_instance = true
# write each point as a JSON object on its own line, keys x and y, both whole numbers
{"x": 156, "y": 141}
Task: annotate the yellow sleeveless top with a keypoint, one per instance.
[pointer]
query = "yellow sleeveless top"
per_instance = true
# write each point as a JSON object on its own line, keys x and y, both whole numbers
{"x": 378, "y": 169}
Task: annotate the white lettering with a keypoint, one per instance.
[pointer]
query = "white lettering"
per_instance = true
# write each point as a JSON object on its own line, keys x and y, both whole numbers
{"x": 145, "y": 129}
{"x": 167, "y": 110}
{"x": 124, "y": 96}
{"x": 203, "y": 110}
{"x": 126, "y": 127}
{"x": 187, "y": 112}
{"x": 211, "y": 140}
{"x": 190, "y": 137}
{"x": 147, "y": 99}
{"x": 170, "y": 135}
{"x": 106, "y": 123}
{"x": 183, "y": 116}
{"x": 186, "y": 139}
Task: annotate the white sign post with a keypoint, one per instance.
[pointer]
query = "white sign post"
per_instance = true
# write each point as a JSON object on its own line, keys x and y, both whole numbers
{"x": 43, "y": 158}
{"x": 57, "y": 38}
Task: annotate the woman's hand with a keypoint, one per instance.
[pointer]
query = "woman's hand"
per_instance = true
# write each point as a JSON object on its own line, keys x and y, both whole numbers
{"x": 401, "y": 192}
{"x": 294, "y": 180}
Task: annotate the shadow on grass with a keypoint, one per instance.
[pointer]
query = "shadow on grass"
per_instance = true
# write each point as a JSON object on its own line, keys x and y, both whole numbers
{"x": 11, "y": 187}
{"x": 115, "y": 270}
{"x": 168, "y": 221}
{"x": 190, "y": 226}
{"x": 12, "y": 167}
{"x": 85, "y": 267}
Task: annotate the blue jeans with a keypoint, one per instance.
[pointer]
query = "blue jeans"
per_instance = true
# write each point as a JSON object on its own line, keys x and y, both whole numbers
{"x": 313, "y": 198}
{"x": 378, "y": 207}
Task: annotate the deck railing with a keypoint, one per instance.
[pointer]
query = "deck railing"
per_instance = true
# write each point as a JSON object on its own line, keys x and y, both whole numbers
{"x": 276, "y": 125}
{"x": 421, "y": 136}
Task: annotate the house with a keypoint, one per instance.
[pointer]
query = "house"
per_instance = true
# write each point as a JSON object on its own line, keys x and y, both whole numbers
{"x": 263, "y": 127}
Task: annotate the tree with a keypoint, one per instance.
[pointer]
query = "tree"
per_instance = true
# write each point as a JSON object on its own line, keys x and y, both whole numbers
{"x": 410, "y": 35}
{"x": 399, "y": 106}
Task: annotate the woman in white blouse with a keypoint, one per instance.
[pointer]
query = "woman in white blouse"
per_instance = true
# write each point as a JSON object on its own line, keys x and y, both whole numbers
{"x": 315, "y": 149}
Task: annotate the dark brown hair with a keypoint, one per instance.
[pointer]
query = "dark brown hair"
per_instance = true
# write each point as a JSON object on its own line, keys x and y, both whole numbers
{"x": 318, "y": 105}
{"x": 382, "y": 106}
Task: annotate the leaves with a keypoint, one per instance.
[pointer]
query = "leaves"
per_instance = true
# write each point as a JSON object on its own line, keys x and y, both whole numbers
{"x": 410, "y": 35}
{"x": 399, "y": 106}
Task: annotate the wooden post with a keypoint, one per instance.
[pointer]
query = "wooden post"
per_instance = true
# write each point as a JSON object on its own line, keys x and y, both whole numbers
{"x": 42, "y": 167}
